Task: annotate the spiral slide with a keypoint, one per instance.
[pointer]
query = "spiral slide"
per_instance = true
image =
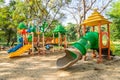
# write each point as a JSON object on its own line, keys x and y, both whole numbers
{"x": 20, "y": 51}
{"x": 79, "y": 48}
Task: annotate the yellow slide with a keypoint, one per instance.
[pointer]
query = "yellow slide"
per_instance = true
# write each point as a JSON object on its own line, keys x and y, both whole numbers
{"x": 20, "y": 51}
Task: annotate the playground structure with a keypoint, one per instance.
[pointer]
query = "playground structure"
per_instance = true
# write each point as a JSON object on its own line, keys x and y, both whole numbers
{"x": 62, "y": 37}
{"x": 59, "y": 38}
{"x": 99, "y": 41}
{"x": 27, "y": 40}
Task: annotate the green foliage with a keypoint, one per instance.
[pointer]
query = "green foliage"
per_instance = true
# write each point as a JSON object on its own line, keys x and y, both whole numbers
{"x": 20, "y": 11}
{"x": 71, "y": 32}
{"x": 28, "y": 10}
{"x": 6, "y": 23}
{"x": 54, "y": 23}
{"x": 1, "y": 0}
{"x": 59, "y": 28}
{"x": 49, "y": 32}
{"x": 117, "y": 48}
{"x": 114, "y": 14}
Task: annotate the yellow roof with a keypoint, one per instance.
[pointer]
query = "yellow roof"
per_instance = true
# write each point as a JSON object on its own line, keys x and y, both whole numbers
{"x": 95, "y": 19}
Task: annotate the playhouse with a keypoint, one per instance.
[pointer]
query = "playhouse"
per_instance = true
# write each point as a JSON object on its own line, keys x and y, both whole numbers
{"x": 99, "y": 41}
{"x": 97, "y": 20}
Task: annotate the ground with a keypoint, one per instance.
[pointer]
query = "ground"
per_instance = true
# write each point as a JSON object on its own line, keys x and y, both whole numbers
{"x": 43, "y": 67}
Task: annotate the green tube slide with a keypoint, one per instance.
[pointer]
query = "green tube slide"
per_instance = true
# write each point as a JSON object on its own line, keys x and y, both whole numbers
{"x": 78, "y": 49}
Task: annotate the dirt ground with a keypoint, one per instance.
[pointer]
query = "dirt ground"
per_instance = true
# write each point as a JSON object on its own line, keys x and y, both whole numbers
{"x": 43, "y": 67}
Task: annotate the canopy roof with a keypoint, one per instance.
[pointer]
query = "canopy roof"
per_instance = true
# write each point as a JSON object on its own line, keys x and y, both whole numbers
{"x": 22, "y": 26}
{"x": 95, "y": 19}
{"x": 59, "y": 28}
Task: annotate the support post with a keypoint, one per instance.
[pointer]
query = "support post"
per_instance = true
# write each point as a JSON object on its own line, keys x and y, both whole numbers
{"x": 65, "y": 42}
{"x": 59, "y": 40}
{"x": 93, "y": 28}
{"x": 43, "y": 40}
{"x": 100, "y": 43}
{"x": 93, "y": 52}
{"x": 53, "y": 42}
{"x": 38, "y": 41}
{"x": 84, "y": 29}
{"x": 108, "y": 30}
{"x": 32, "y": 42}
{"x": 43, "y": 43}
{"x": 23, "y": 39}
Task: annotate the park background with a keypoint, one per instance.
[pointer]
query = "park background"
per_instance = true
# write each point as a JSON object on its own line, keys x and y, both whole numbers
{"x": 69, "y": 13}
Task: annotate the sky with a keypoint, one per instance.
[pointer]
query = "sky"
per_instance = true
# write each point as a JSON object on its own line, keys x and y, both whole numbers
{"x": 7, "y": 1}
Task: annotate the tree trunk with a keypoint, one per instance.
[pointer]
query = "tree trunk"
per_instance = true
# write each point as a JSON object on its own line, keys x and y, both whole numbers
{"x": 78, "y": 36}
{"x": 9, "y": 37}
{"x": 84, "y": 9}
{"x": 79, "y": 33}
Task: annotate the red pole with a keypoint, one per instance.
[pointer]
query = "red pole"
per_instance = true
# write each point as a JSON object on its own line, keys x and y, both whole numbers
{"x": 84, "y": 31}
{"x": 108, "y": 29}
{"x": 94, "y": 55}
{"x": 100, "y": 43}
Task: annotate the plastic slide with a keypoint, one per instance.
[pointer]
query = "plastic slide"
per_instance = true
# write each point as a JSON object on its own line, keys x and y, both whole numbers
{"x": 78, "y": 49}
{"x": 20, "y": 51}
{"x": 15, "y": 48}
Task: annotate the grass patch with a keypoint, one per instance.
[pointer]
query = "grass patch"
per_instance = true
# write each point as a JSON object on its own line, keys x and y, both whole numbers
{"x": 117, "y": 53}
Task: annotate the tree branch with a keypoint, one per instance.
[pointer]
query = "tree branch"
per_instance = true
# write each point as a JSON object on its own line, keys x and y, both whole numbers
{"x": 50, "y": 10}
{"x": 53, "y": 18}
{"x": 104, "y": 7}
{"x": 47, "y": 3}
{"x": 73, "y": 16}
{"x": 32, "y": 8}
{"x": 92, "y": 3}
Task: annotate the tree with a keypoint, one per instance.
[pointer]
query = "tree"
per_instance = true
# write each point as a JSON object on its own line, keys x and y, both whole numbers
{"x": 40, "y": 10}
{"x": 114, "y": 14}
{"x": 71, "y": 32}
{"x": 7, "y": 23}
{"x": 80, "y": 9}
{"x": 1, "y": 3}
{"x": 4, "y": 23}
{"x": 49, "y": 32}
{"x": 29, "y": 10}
